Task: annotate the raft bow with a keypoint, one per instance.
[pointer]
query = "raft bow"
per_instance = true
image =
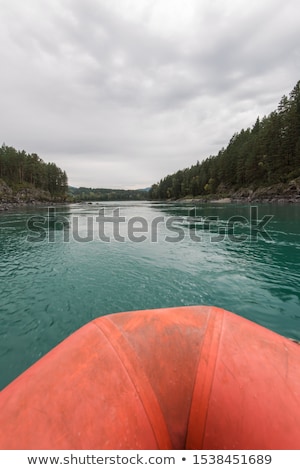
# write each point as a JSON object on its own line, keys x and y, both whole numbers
{"x": 177, "y": 378}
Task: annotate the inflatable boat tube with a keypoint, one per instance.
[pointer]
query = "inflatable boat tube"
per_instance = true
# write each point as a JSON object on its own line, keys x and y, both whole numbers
{"x": 178, "y": 378}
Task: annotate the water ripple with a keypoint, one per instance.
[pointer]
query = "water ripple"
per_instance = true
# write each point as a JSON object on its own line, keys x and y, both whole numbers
{"x": 49, "y": 289}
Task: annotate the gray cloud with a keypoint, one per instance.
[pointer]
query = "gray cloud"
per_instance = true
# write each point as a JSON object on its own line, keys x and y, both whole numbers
{"x": 121, "y": 93}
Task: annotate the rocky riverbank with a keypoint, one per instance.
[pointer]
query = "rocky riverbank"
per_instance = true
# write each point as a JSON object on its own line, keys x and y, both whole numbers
{"x": 22, "y": 197}
{"x": 277, "y": 193}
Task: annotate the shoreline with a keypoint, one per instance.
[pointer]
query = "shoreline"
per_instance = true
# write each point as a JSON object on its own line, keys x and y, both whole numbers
{"x": 10, "y": 206}
{"x": 279, "y": 193}
{"x": 279, "y": 199}
{"x": 276, "y": 194}
{"x": 238, "y": 200}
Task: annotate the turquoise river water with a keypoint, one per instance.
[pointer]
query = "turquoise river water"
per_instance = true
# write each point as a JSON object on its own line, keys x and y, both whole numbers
{"x": 62, "y": 267}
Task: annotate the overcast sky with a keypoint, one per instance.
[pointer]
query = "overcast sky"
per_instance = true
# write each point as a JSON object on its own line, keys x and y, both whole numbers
{"x": 120, "y": 93}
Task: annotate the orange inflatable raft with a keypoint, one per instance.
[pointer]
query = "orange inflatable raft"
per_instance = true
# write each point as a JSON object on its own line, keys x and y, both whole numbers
{"x": 178, "y": 378}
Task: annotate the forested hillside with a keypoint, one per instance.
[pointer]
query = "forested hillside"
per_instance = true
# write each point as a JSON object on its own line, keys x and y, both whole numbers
{"x": 264, "y": 155}
{"x": 20, "y": 170}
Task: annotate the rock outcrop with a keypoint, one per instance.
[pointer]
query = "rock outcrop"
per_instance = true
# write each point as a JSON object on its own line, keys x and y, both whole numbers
{"x": 280, "y": 192}
{"x": 10, "y": 198}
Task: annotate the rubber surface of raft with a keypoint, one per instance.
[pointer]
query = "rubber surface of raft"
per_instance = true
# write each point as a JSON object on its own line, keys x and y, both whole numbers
{"x": 178, "y": 378}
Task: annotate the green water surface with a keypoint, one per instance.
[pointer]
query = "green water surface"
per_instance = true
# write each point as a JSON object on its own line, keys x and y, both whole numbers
{"x": 58, "y": 270}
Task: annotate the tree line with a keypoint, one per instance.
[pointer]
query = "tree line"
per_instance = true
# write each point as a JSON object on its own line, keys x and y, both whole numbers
{"x": 22, "y": 170}
{"x": 101, "y": 194}
{"x": 266, "y": 154}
